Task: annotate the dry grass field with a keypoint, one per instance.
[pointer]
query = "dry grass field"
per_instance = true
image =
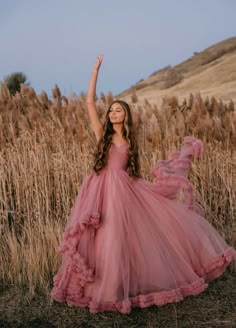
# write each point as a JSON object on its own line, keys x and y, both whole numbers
{"x": 46, "y": 150}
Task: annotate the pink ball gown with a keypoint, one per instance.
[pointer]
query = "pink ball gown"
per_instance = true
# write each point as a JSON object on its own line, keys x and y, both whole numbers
{"x": 137, "y": 243}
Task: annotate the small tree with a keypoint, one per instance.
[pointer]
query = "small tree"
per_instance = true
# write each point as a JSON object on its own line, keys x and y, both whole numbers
{"x": 14, "y": 80}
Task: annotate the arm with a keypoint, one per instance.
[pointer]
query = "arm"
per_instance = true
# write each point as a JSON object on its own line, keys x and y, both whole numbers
{"x": 90, "y": 99}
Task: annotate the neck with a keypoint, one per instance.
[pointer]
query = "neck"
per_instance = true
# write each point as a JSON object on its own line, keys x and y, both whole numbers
{"x": 118, "y": 128}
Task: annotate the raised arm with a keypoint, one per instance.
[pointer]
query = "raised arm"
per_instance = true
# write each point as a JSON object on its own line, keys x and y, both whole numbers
{"x": 90, "y": 100}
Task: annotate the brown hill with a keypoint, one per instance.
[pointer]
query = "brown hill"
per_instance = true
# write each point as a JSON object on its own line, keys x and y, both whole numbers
{"x": 212, "y": 72}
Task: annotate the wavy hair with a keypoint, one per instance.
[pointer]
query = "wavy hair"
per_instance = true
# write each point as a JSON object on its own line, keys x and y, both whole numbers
{"x": 104, "y": 143}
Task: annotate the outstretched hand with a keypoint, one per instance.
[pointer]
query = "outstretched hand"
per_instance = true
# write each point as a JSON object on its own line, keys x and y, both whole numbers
{"x": 98, "y": 62}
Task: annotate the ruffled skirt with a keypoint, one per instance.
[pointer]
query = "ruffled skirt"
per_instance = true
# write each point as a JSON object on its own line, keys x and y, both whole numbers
{"x": 134, "y": 244}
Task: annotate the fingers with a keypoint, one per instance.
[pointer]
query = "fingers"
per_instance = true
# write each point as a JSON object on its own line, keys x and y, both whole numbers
{"x": 99, "y": 61}
{"x": 100, "y": 57}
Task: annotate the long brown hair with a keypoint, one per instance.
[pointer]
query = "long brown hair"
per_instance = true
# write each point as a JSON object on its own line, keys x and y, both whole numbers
{"x": 104, "y": 143}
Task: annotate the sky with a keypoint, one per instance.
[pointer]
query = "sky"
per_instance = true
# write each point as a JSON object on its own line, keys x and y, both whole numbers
{"x": 58, "y": 41}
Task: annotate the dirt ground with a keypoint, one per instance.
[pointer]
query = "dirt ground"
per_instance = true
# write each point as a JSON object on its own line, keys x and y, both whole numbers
{"x": 215, "y": 307}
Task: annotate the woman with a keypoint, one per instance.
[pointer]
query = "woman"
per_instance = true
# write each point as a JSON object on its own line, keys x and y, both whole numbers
{"x": 129, "y": 242}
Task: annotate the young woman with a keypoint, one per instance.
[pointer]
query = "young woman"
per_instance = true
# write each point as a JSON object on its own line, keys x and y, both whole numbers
{"x": 129, "y": 242}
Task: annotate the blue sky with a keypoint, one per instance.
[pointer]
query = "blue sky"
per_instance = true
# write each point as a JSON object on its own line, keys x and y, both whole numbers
{"x": 57, "y": 41}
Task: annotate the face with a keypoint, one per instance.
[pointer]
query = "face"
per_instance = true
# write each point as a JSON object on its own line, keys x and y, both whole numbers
{"x": 116, "y": 113}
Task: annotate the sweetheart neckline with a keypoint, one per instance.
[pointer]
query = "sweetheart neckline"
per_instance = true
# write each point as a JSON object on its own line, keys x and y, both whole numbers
{"x": 118, "y": 146}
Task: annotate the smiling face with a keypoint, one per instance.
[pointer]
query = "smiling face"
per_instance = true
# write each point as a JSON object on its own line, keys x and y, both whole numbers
{"x": 116, "y": 113}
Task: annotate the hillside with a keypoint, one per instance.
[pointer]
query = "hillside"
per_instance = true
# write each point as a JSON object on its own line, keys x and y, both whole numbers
{"x": 212, "y": 72}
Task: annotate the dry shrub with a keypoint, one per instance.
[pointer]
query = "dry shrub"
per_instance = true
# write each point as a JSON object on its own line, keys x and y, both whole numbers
{"x": 134, "y": 97}
{"x": 171, "y": 77}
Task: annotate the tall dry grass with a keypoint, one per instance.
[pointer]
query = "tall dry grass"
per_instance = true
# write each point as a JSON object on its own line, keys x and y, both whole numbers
{"x": 45, "y": 153}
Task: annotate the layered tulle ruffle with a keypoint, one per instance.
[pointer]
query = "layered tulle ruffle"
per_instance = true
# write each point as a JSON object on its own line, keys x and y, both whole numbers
{"x": 69, "y": 283}
{"x": 172, "y": 174}
{"x": 76, "y": 271}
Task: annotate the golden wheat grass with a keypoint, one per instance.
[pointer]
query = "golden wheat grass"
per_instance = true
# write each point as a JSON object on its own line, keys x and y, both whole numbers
{"x": 46, "y": 151}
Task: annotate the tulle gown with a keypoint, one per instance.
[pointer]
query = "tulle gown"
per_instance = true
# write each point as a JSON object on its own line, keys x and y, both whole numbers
{"x": 137, "y": 243}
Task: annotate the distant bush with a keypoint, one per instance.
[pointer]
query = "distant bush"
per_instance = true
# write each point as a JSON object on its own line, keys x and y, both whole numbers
{"x": 161, "y": 70}
{"x": 171, "y": 78}
{"x": 217, "y": 54}
{"x": 14, "y": 80}
{"x": 134, "y": 97}
{"x": 141, "y": 80}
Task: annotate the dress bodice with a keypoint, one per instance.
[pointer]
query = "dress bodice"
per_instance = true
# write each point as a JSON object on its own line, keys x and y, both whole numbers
{"x": 118, "y": 156}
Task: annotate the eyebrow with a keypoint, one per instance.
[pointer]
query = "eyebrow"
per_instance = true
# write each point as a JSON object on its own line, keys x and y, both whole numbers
{"x": 115, "y": 108}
